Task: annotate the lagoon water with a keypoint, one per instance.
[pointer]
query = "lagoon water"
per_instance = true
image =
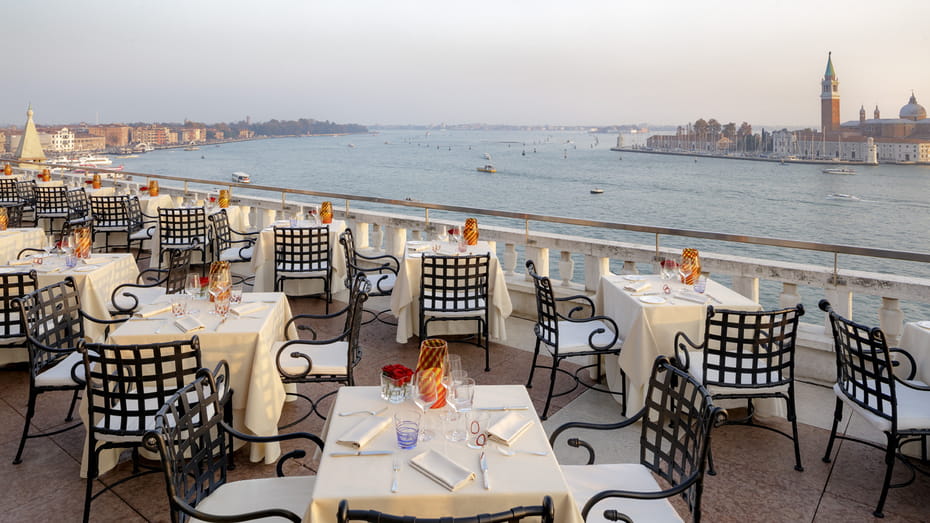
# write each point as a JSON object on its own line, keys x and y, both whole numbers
{"x": 552, "y": 172}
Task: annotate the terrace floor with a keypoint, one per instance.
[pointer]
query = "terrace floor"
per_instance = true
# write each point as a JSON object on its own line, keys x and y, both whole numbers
{"x": 756, "y": 480}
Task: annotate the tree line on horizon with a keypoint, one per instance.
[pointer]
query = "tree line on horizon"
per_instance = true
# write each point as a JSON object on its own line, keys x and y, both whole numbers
{"x": 273, "y": 127}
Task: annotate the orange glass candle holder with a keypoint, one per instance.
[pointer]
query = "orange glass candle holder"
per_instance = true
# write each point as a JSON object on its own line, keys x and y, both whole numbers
{"x": 470, "y": 232}
{"x": 429, "y": 367}
{"x": 7, "y": 169}
{"x": 4, "y": 219}
{"x": 96, "y": 181}
{"x": 326, "y": 212}
{"x": 45, "y": 176}
{"x": 224, "y": 198}
{"x": 220, "y": 281}
{"x": 153, "y": 187}
{"x": 82, "y": 242}
{"x": 690, "y": 266}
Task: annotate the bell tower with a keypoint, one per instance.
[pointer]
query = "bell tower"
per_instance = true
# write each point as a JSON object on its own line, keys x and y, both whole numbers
{"x": 830, "y": 99}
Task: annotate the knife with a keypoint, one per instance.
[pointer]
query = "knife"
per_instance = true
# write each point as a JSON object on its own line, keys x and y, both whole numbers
{"x": 361, "y": 453}
{"x": 505, "y": 407}
{"x": 483, "y": 460}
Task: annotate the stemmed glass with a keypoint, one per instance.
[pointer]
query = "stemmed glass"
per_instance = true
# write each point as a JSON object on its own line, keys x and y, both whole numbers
{"x": 425, "y": 393}
{"x": 669, "y": 268}
{"x": 192, "y": 289}
{"x": 684, "y": 269}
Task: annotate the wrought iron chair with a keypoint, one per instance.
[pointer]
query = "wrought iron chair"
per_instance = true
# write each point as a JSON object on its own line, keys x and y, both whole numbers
{"x": 381, "y": 275}
{"x": 227, "y": 248}
{"x": 111, "y": 216}
{"x": 867, "y": 384}
{"x": 676, "y": 424}
{"x": 303, "y": 253}
{"x": 14, "y": 213}
{"x": 195, "y": 444}
{"x": 8, "y": 191}
{"x": 183, "y": 229}
{"x": 14, "y": 285}
{"x": 53, "y": 323}
{"x": 331, "y": 360}
{"x": 80, "y": 214}
{"x": 126, "y": 386}
{"x": 545, "y": 511}
{"x": 51, "y": 203}
{"x": 747, "y": 355}
{"x": 455, "y": 288}
{"x": 566, "y": 336}
{"x": 27, "y": 195}
{"x": 127, "y": 298}
{"x": 146, "y": 223}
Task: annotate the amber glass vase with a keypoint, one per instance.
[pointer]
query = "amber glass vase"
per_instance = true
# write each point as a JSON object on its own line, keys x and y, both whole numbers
{"x": 326, "y": 212}
{"x": 224, "y": 198}
{"x": 470, "y": 232}
{"x": 153, "y": 187}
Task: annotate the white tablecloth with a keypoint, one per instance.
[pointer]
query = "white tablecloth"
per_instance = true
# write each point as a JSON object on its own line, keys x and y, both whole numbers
{"x": 245, "y": 344}
{"x": 366, "y": 480}
{"x": 916, "y": 341}
{"x": 14, "y": 240}
{"x": 648, "y": 330}
{"x": 263, "y": 263}
{"x": 406, "y": 295}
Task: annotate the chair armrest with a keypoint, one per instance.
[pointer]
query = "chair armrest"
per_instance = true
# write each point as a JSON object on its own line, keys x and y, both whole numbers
{"x": 575, "y": 442}
{"x": 300, "y": 355}
{"x": 571, "y": 313}
{"x": 276, "y": 439}
{"x": 329, "y": 316}
{"x": 121, "y": 289}
{"x": 604, "y": 319}
{"x": 392, "y": 263}
{"x": 605, "y": 494}
{"x": 106, "y": 330}
{"x": 910, "y": 359}
{"x": 248, "y": 516}
{"x": 19, "y": 256}
{"x": 681, "y": 351}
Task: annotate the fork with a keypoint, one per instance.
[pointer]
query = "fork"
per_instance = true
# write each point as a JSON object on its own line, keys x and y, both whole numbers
{"x": 395, "y": 465}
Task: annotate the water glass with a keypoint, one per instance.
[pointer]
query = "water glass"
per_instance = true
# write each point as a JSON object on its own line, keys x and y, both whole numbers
{"x": 221, "y": 304}
{"x": 235, "y": 294}
{"x": 463, "y": 394}
{"x": 178, "y": 305}
{"x": 407, "y": 428}
{"x": 701, "y": 284}
{"x": 393, "y": 390}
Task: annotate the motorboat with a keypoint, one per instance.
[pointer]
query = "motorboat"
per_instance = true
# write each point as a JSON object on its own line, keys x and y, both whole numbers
{"x": 241, "y": 177}
{"x": 839, "y": 170}
{"x": 192, "y": 147}
{"x": 487, "y": 169}
{"x": 597, "y": 190}
{"x": 842, "y": 196}
{"x": 93, "y": 161}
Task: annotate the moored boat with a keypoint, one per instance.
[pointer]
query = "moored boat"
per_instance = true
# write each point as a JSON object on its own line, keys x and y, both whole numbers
{"x": 839, "y": 170}
{"x": 487, "y": 169}
{"x": 241, "y": 177}
{"x": 597, "y": 190}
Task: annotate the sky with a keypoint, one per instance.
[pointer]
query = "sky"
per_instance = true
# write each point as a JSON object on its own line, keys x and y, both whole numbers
{"x": 521, "y": 62}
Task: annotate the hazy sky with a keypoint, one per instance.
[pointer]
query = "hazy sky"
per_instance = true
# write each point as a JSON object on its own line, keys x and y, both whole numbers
{"x": 426, "y": 62}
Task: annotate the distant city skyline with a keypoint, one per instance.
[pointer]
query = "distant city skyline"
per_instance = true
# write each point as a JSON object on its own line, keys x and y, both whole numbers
{"x": 515, "y": 62}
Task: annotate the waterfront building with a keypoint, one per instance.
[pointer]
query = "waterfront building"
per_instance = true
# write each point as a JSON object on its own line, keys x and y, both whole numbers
{"x": 151, "y": 134}
{"x": 115, "y": 135}
{"x": 62, "y": 141}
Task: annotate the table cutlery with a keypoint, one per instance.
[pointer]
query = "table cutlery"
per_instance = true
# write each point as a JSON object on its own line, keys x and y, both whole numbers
{"x": 370, "y": 412}
{"x": 511, "y": 452}
{"x": 361, "y": 453}
{"x": 715, "y": 300}
{"x": 483, "y": 461}
{"x": 395, "y": 466}
{"x": 505, "y": 407}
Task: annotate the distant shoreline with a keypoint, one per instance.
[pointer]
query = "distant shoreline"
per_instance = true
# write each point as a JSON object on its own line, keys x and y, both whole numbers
{"x": 749, "y": 158}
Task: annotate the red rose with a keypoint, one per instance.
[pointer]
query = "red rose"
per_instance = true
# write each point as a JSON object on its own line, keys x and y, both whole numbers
{"x": 204, "y": 281}
{"x": 397, "y": 372}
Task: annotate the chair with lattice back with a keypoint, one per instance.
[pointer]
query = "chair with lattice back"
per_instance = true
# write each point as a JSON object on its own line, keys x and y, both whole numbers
{"x": 747, "y": 355}
{"x": 866, "y": 382}
{"x": 126, "y": 386}
{"x": 303, "y": 253}
{"x": 51, "y": 204}
{"x": 146, "y": 226}
{"x": 8, "y": 191}
{"x": 229, "y": 248}
{"x": 380, "y": 270}
{"x": 14, "y": 213}
{"x": 184, "y": 228}
{"x": 14, "y": 285}
{"x": 455, "y": 288}
{"x": 194, "y": 440}
{"x": 152, "y": 283}
{"x": 675, "y": 427}
{"x": 27, "y": 195}
{"x": 545, "y": 511}
{"x": 53, "y": 323}
{"x": 111, "y": 216}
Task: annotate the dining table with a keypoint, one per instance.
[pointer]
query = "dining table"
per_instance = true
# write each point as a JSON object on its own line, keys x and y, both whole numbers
{"x": 234, "y": 214}
{"x": 405, "y": 297}
{"x": 243, "y": 341}
{"x": 366, "y": 480}
{"x": 263, "y": 260}
{"x": 16, "y": 239}
{"x": 916, "y": 341}
{"x": 648, "y": 320}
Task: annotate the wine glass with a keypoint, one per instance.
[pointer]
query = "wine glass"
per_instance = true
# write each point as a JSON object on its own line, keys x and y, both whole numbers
{"x": 456, "y": 236}
{"x": 669, "y": 268}
{"x": 192, "y": 288}
{"x": 684, "y": 269}
{"x": 425, "y": 392}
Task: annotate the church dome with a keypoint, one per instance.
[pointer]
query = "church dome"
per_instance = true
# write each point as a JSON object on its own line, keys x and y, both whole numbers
{"x": 913, "y": 110}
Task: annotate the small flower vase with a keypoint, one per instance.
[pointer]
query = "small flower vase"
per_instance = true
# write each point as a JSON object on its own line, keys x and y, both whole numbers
{"x": 96, "y": 181}
{"x": 326, "y": 212}
{"x": 153, "y": 187}
{"x": 224, "y": 198}
{"x": 393, "y": 390}
{"x": 46, "y": 175}
{"x": 470, "y": 232}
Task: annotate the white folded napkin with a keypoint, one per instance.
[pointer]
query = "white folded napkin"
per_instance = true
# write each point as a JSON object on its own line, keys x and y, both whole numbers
{"x": 188, "y": 324}
{"x": 364, "y": 431}
{"x": 691, "y": 297}
{"x": 24, "y": 261}
{"x": 152, "y": 310}
{"x": 418, "y": 246}
{"x": 244, "y": 309}
{"x": 442, "y": 470}
{"x": 637, "y": 286}
{"x": 510, "y": 427}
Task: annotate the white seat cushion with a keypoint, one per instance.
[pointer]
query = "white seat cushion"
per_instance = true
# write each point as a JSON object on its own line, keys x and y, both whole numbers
{"x": 141, "y": 234}
{"x": 233, "y": 254}
{"x": 381, "y": 282}
{"x": 587, "y": 480}
{"x": 429, "y": 303}
{"x": 327, "y": 359}
{"x": 573, "y": 336}
{"x": 912, "y": 408}
{"x": 696, "y": 369}
{"x": 60, "y": 374}
{"x": 238, "y": 497}
{"x": 303, "y": 270}
{"x": 146, "y": 296}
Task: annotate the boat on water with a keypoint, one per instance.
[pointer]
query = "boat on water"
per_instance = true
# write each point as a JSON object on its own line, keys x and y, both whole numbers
{"x": 842, "y": 196}
{"x": 241, "y": 177}
{"x": 597, "y": 190}
{"x": 487, "y": 156}
{"x": 839, "y": 170}
{"x": 487, "y": 169}
{"x": 191, "y": 147}
{"x": 93, "y": 161}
